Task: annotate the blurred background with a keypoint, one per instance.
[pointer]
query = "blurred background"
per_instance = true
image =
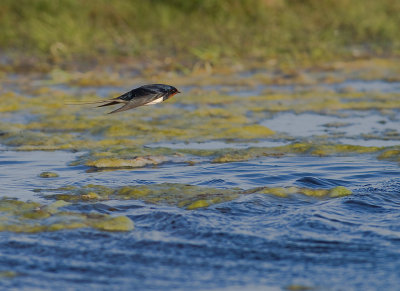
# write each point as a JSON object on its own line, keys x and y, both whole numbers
{"x": 182, "y": 33}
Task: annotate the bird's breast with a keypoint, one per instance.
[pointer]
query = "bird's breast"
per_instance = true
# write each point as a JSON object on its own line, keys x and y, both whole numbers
{"x": 159, "y": 100}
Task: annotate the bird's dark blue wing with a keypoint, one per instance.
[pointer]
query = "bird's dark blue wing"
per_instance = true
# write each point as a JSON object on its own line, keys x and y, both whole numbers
{"x": 148, "y": 91}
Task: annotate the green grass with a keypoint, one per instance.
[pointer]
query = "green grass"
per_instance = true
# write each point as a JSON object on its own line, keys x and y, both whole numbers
{"x": 200, "y": 30}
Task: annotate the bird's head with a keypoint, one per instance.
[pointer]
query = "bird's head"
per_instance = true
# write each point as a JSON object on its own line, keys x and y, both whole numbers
{"x": 172, "y": 91}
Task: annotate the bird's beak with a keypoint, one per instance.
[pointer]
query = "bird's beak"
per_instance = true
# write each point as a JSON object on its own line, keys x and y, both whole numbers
{"x": 178, "y": 91}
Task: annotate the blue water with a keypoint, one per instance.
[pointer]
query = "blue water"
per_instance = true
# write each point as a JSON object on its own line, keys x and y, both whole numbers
{"x": 256, "y": 242}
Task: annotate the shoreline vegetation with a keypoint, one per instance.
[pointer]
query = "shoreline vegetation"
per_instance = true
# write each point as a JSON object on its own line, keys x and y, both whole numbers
{"x": 180, "y": 36}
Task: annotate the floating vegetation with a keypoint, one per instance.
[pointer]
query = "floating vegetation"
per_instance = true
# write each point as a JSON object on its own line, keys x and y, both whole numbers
{"x": 32, "y": 217}
{"x": 126, "y": 158}
{"x": 8, "y": 274}
{"x": 181, "y": 195}
{"x": 338, "y": 191}
{"x": 135, "y": 162}
{"x": 48, "y": 175}
{"x": 296, "y": 148}
{"x": 392, "y": 154}
{"x": 201, "y": 115}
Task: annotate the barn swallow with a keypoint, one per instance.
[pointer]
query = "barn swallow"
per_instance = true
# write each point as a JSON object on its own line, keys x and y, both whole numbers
{"x": 144, "y": 95}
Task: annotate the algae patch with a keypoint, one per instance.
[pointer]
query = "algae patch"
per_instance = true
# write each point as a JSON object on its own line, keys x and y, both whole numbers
{"x": 48, "y": 175}
{"x": 201, "y": 115}
{"x": 134, "y": 157}
{"x": 181, "y": 195}
{"x": 135, "y": 162}
{"x": 32, "y": 217}
{"x": 338, "y": 191}
{"x": 313, "y": 149}
{"x": 392, "y": 154}
{"x": 8, "y": 274}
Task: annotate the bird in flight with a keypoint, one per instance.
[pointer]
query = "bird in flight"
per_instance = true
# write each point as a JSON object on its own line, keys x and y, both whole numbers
{"x": 144, "y": 95}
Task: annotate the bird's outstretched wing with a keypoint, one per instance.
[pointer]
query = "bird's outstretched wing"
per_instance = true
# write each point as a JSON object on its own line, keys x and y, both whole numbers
{"x": 109, "y": 100}
{"x": 133, "y": 103}
{"x": 132, "y": 99}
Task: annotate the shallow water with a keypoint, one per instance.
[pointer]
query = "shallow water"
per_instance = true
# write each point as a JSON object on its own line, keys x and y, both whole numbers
{"x": 254, "y": 240}
{"x": 353, "y": 127}
{"x": 348, "y": 85}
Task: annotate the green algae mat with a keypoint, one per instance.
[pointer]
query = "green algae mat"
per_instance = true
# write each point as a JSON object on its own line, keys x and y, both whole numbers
{"x": 244, "y": 118}
{"x": 257, "y": 168}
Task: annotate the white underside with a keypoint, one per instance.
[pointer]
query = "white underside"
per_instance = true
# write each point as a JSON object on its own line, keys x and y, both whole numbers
{"x": 159, "y": 100}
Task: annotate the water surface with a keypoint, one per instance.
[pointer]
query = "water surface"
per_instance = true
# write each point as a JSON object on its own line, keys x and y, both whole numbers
{"x": 253, "y": 242}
